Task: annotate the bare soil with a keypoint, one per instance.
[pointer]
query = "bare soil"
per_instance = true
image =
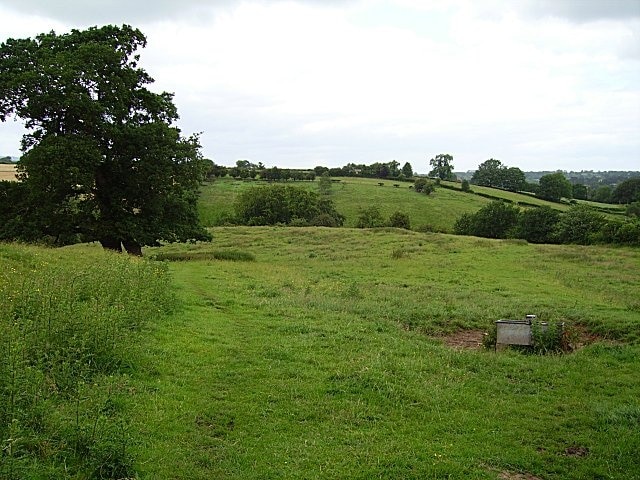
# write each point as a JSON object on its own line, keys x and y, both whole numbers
{"x": 517, "y": 476}
{"x": 465, "y": 339}
{"x": 472, "y": 339}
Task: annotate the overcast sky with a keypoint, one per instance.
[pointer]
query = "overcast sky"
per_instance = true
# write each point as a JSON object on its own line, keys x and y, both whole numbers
{"x": 537, "y": 84}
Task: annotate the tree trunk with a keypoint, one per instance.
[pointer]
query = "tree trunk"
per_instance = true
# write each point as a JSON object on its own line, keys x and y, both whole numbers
{"x": 111, "y": 243}
{"x": 132, "y": 247}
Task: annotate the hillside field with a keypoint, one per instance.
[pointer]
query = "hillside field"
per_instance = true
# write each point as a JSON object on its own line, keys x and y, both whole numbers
{"x": 433, "y": 213}
{"x": 7, "y": 172}
{"x": 436, "y": 212}
{"x": 292, "y": 353}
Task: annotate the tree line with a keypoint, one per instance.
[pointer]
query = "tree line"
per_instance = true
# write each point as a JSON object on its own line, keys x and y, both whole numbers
{"x": 579, "y": 225}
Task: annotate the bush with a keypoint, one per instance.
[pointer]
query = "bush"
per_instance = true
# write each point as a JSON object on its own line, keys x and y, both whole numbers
{"x": 633, "y": 209}
{"x": 283, "y": 204}
{"x": 399, "y": 220}
{"x": 494, "y": 220}
{"x": 422, "y": 185}
{"x": 620, "y": 232}
{"x": 466, "y": 187}
{"x": 370, "y": 218}
{"x": 537, "y": 225}
{"x": 579, "y": 225}
{"x": 325, "y": 220}
{"x": 464, "y": 225}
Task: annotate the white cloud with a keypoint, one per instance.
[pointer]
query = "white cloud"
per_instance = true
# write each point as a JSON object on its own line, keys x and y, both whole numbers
{"x": 295, "y": 83}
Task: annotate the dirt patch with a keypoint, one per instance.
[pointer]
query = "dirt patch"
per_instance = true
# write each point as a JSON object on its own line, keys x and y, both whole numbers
{"x": 7, "y": 172}
{"x": 465, "y": 339}
{"x": 577, "y": 338}
{"x": 517, "y": 476}
{"x": 576, "y": 451}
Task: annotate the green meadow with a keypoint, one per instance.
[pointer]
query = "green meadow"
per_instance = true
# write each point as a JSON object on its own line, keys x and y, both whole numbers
{"x": 433, "y": 213}
{"x": 292, "y": 353}
{"x": 436, "y": 212}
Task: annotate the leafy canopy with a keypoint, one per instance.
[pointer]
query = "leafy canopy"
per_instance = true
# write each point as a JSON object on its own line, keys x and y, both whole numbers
{"x": 492, "y": 173}
{"x": 554, "y": 186}
{"x": 284, "y": 204}
{"x": 442, "y": 167}
{"x": 101, "y": 159}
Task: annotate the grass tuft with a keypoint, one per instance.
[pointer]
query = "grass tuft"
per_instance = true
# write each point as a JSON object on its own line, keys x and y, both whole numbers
{"x": 229, "y": 255}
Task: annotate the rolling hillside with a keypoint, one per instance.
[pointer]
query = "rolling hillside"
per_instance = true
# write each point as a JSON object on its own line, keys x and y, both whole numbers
{"x": 436, "y": 212}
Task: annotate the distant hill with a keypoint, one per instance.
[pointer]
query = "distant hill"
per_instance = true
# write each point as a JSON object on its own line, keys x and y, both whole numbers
{"x": 8, "y": 159}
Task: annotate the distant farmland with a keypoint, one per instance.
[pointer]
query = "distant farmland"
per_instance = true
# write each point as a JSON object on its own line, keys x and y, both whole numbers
{"x": 7, "y": 172}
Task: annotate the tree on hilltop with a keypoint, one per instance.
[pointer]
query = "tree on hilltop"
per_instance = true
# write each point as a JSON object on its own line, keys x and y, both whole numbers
{"x": 442, "y": 167}
{"x": 102, "y": 160}
{"x": 493, "y": 173}
{"x": 554, "y": 186}
{"x": 407, "y": 170}
{"x": 489, "y": 173}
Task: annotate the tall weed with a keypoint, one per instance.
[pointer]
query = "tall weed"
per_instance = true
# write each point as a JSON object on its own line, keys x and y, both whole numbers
{"x": 69, "y": 326}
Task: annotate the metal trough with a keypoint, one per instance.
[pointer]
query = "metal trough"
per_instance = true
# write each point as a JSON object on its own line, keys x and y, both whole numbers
{"x": 518, "y": 332}
{"x": 513, "y": 332}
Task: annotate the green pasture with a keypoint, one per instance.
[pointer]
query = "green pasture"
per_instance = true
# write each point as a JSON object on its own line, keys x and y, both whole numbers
{"x": 322, "y": 357}
{"x": 512, "y": 196}
{"x": 526, "y": 199}
{"x": 436, "y": 212}
{"x": 293, "y": 353}
{"x": 433, "y": 213}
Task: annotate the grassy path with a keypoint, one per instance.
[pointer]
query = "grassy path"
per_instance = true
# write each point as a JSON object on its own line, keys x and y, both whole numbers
{"x": 274, "y": 370}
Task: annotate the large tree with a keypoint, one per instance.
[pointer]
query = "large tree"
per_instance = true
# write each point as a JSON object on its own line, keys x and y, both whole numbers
{"x": 627, "y": 191}
{"x": 102, "y": 160}
{"x": 489, "y": 173}
{"x": 554, "y": 186}
{"x": 442, "y": 167}
{"x": 513, "y": 179}
{"x": 407, "y": 170}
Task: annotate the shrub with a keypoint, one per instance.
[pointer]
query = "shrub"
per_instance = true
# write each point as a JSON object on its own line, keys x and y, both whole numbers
{"x": 325, "y": 220}
{"x": 282, "y": 204}
{"x": 620, "y": 232}
{"x": 466, "y": 187}
{"x": 370, "y": 218}
{"x": 633, "y": 209}
{"x": 399, "y": 220}
{"x": 537, "y": 225}
{"x": 579, "y": 225}
{"x": 422, "y": 185}
{"x": 464, "y": 224}
{"x": 494, "y": 220}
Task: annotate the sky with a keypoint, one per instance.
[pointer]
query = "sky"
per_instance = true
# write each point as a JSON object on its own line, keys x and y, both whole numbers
{"x": 537, "y": 84}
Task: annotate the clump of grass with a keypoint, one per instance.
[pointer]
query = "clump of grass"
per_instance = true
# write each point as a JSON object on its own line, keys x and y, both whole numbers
{"x": 399, "y": 253}
{"x": 229, "y": 255}
{"x": 68, "y": 338}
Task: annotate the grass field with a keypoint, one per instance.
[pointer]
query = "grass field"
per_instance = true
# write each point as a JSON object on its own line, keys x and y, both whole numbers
{"x": 7, "y": 172}
{"x": 320, "y": 353}
{"x": 323, "y": 358}
{"x": 436, "y": 212}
